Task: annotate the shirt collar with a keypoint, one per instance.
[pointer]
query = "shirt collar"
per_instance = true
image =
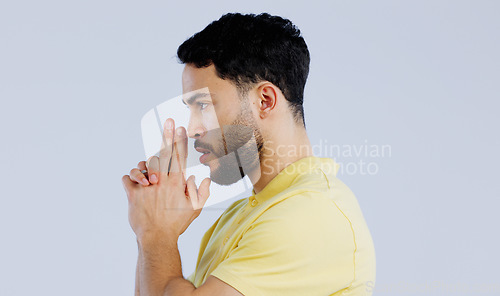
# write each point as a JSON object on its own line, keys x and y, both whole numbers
{"x": 286, "y": 177}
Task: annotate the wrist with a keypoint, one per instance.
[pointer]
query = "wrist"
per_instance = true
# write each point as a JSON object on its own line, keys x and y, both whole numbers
{"x": 156, "y": 237}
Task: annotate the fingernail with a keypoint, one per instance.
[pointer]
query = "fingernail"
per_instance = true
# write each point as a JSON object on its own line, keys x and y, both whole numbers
{"x": 154, "y": 178}
{"x": 145, "y": 181}
{"x": 179, "y": 131}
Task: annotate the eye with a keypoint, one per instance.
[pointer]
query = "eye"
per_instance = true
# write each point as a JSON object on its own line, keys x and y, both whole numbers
{"x": 202, "y": 105}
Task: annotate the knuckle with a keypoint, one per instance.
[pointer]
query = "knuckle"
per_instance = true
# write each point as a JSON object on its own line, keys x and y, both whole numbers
{"x": 152, "y": 159}
{"x": 136, "y": 175}
{"x": 175, "y": 177}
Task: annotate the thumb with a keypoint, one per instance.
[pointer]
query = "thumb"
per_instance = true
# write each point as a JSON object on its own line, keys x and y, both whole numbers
{"x": 204, "y": 191}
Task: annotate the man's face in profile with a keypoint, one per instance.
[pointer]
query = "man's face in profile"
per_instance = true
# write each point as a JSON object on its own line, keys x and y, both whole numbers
{"x": 222, "y": 124}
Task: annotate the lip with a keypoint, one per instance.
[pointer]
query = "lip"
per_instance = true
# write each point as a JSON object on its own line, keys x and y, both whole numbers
{"x": 205, "y": 154}
{"x": 201, "y": 150}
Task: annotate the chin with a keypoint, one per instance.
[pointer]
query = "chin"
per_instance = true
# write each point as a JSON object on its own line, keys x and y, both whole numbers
{"x": 225, "y": 177}
{"x": 213, "y": 165}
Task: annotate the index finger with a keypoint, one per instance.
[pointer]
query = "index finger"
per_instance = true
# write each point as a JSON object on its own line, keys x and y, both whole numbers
{"x": 179, "y": 153}
{"x": 166, "y": 147}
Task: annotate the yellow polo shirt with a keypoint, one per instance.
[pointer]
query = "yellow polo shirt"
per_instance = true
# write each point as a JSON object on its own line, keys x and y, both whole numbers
{"x": 304, "y": 234}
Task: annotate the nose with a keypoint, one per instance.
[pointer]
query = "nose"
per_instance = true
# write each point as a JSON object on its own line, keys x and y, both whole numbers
{"x": 196, "y": 129}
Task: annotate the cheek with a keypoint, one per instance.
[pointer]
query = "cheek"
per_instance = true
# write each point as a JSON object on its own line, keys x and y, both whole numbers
{"x": 210, "y": 120}
{"x": 218, "y": 116}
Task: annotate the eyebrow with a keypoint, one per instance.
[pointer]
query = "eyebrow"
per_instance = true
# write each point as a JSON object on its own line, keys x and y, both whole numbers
{"x": 194, "y": 97}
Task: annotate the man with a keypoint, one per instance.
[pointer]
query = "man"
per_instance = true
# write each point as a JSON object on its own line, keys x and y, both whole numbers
{"x": 301, "y": 232}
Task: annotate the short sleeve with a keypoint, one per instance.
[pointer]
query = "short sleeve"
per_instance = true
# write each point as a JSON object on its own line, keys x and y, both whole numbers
{"x": 301, "y": 246}
{"x": 191, "y": 278}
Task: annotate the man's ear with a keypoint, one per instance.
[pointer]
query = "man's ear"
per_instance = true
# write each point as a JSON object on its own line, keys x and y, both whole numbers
{"x": 268, "y": 98}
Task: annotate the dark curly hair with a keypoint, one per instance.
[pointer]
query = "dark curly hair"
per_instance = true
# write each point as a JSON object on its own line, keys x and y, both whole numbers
{"x": 249, "y": 48}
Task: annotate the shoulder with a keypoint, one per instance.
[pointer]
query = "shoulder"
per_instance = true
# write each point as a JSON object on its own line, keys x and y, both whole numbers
{"x": 306, "y": 232}
{"x": 233, "y": 208}
{"x": 304, "y": 219}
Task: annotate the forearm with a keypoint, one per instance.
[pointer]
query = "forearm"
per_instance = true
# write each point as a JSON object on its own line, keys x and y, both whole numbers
{"x": 137, "y": 281}
{"x": 160, "y": 271}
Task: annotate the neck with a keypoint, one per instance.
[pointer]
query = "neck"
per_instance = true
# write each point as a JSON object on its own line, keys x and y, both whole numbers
{"x": 283, "y": 149}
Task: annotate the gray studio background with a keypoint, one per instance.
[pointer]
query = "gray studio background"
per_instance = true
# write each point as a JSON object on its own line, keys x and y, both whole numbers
{"x": 420, "y": 76}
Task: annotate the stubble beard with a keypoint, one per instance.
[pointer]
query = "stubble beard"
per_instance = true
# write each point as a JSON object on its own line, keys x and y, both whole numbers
{"x": 239, "y": 151}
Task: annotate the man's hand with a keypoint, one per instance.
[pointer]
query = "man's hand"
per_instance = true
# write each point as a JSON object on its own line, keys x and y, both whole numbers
{"x": 160, "y": 210}
{"x": 167, "y": 203}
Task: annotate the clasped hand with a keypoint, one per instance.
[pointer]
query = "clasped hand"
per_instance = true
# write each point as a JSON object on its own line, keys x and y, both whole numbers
{"x": 164, "y": 203}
